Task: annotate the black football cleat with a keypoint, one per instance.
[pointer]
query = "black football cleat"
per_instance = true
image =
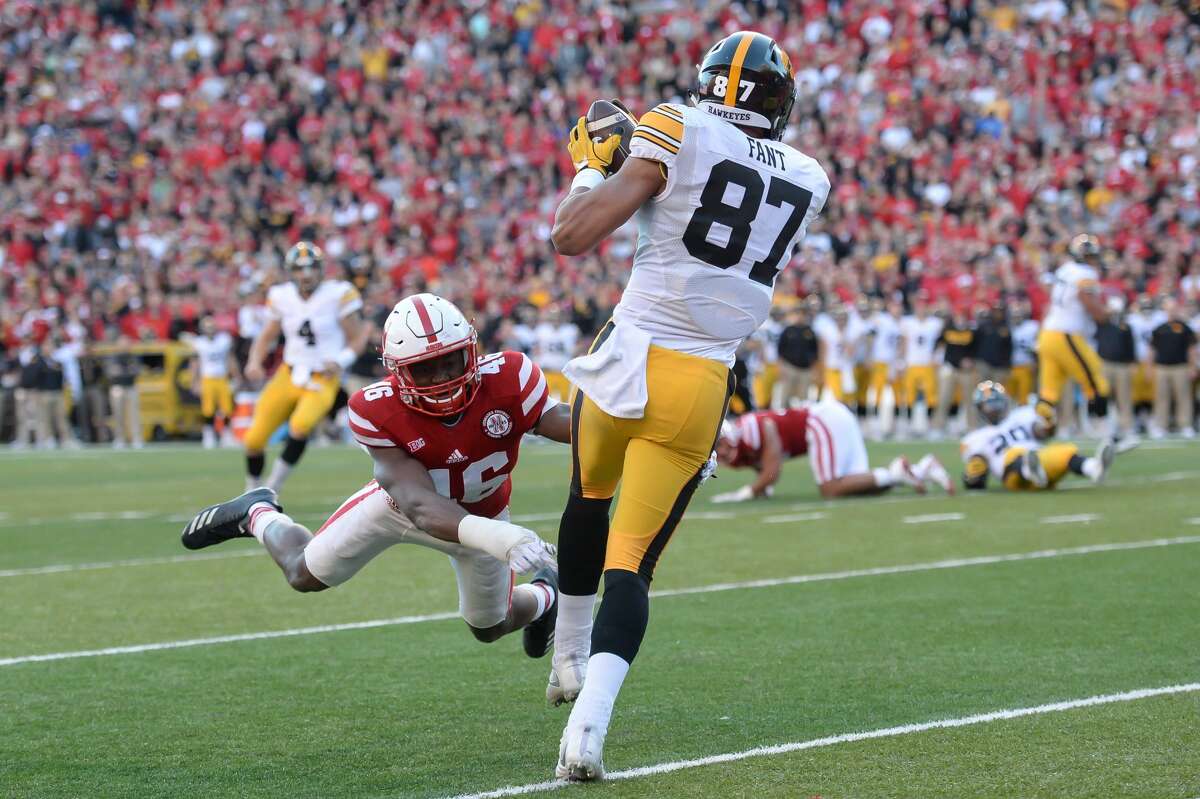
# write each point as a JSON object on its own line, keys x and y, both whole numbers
{"x": 218, "y": 523}
{"x": 538, "y": 635}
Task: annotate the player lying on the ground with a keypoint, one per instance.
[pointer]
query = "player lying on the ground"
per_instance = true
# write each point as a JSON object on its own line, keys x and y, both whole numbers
{"x": 443, "y": 431}
{"x": 1009, "y": 447}
{"x": 829, "y": 434}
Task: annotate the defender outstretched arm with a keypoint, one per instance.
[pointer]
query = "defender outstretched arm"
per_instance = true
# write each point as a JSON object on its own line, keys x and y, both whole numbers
{"x": 586, "y": 216}
{"x": 408, "y": 484}
{"x": 772, "y": 459}
{"x": 555, "y": 424}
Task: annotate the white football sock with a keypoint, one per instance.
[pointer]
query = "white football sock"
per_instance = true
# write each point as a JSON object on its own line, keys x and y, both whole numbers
{"x": 261, "y": 516}
{"x": 279, "y": 472}
{"x": 883, "y": 477}
{"x": 573, "y": 627}
{"x": 209, "y": 437}
{"x": 1092, "y": 468}
{"x": 606, "y": 672}
{"x": 543, "y": 597}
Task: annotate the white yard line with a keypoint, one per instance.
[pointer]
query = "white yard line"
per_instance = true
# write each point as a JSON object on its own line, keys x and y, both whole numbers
{"x": 225, "y": 639}
{"x": 1071, "y": 518}
{"x": 850, "y": 737}
{"x": 1193, "y": 520}
{"x": 58, "y": 568}
{"x": 929, "y": 518}
{"x": 955, "y": 563}
{"x": 796, "y": 517}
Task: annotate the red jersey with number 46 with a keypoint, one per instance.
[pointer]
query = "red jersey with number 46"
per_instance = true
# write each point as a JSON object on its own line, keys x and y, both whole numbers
{"x": 470, "y": 460}
{"x": 792, "y": 425}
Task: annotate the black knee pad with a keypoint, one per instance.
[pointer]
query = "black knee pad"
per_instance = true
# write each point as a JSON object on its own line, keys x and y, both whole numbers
{"x": 624, "y": 612}
{"x": 582, "y": 541}
{"x": 293, "y": 449}
{"x": 254, "y": 464}
{"x": 1098, "y": 406}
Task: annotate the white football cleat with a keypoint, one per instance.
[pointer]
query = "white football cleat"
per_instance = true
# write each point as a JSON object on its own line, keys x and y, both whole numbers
{"x": 902, "y": 472}
{"x": 581, "y": 755}
{"x": 566, "y": 680}
{"x": 1103, "y": 458}
{"x": 930, "y": 469}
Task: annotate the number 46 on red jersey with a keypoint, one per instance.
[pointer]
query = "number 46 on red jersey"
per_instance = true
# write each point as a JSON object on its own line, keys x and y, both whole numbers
{"x": 471, "y": 459}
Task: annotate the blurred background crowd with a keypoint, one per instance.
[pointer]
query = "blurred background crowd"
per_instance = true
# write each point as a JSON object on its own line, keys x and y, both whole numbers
{"x": 156, "y": 160}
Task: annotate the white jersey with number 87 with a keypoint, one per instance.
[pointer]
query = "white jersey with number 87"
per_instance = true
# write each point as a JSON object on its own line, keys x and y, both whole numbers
{"x": 711, "y": 243}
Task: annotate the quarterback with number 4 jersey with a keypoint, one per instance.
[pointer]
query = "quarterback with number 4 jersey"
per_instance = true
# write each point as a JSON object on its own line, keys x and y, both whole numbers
{"x": 443, "y": 431}
{"x": 323, "y": 333}
{"x": 721, "y": 205}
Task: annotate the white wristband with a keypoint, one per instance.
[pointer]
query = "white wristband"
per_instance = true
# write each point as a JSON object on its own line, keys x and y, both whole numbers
{"x": 492, "y": 536}
{"x": 587, "y": 178}
{"x": 346, "y": 357}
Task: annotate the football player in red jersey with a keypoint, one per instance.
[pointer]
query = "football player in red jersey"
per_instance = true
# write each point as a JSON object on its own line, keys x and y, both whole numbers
{"x": 829, "y": 434}
{"x": 444, "y": 431}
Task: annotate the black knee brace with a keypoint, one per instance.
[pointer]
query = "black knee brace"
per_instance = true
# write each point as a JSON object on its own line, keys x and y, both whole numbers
{"x": 582, "y": 540}
{"x": 1098, "y": 406}
{"x": 254, "y": 464}
{"x": 293, "y": 449}
{"x": 624, "y": 612}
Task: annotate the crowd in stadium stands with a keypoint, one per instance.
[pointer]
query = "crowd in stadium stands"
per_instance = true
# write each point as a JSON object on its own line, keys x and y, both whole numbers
{"x": 156, "y": 159}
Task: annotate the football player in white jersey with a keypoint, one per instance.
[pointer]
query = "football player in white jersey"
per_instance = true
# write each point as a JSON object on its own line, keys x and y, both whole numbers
{"x": 720, "y": 204}
{"x": 1009, "y": 447}
{"x": 1024, "y": 360}
{"x": 323, "y": 332}
{"x": 919, "y": 335}
{"x": 1063, "y": 349}
{"x": 838, "y": 342}
{"x": 212, "y": 370}
{"x": 555, "y": 342}
{"x": 1142, "y": 323}
{"x": 884, "y": 357}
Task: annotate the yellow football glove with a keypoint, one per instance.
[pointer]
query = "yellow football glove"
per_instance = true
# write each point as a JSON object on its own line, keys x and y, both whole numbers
{"x": 587, "y": 153}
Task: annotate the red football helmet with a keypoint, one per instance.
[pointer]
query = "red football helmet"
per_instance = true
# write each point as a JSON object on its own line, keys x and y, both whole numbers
{"x": 420, "y": 338}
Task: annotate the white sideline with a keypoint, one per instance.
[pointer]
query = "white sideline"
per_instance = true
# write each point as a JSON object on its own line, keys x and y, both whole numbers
{"x": 113, "y": 564}
{"x": 849, "y": 737}
{"x": 878, "y": 571}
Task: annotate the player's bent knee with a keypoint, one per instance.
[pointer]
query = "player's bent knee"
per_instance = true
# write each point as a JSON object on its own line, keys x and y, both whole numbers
{"x": 488, "y": 635}
{"x": 300, "y": 578}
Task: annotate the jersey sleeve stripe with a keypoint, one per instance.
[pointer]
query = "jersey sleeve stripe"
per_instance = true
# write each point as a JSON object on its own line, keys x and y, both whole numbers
{"x": 358, "y": 421}
{"x": 371, "y": 441}
{"x": 539, "y": 393}
{"x": 662, "y": 124}
{"x": 663, "y": 108}
{"x": 526, "y": 370}
{"x": 656, "y": 140}
{"x": 350, "y": 305}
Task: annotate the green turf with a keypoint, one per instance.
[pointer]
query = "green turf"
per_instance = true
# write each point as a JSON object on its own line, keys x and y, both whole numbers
{"x": 423, "y": 710}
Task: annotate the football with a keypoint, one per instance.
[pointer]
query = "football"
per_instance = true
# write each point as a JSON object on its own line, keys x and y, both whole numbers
{"x": 606, "y": 117}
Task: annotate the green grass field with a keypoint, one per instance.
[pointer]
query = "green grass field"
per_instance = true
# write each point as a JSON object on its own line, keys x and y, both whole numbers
{"x": 90, "y": 562}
